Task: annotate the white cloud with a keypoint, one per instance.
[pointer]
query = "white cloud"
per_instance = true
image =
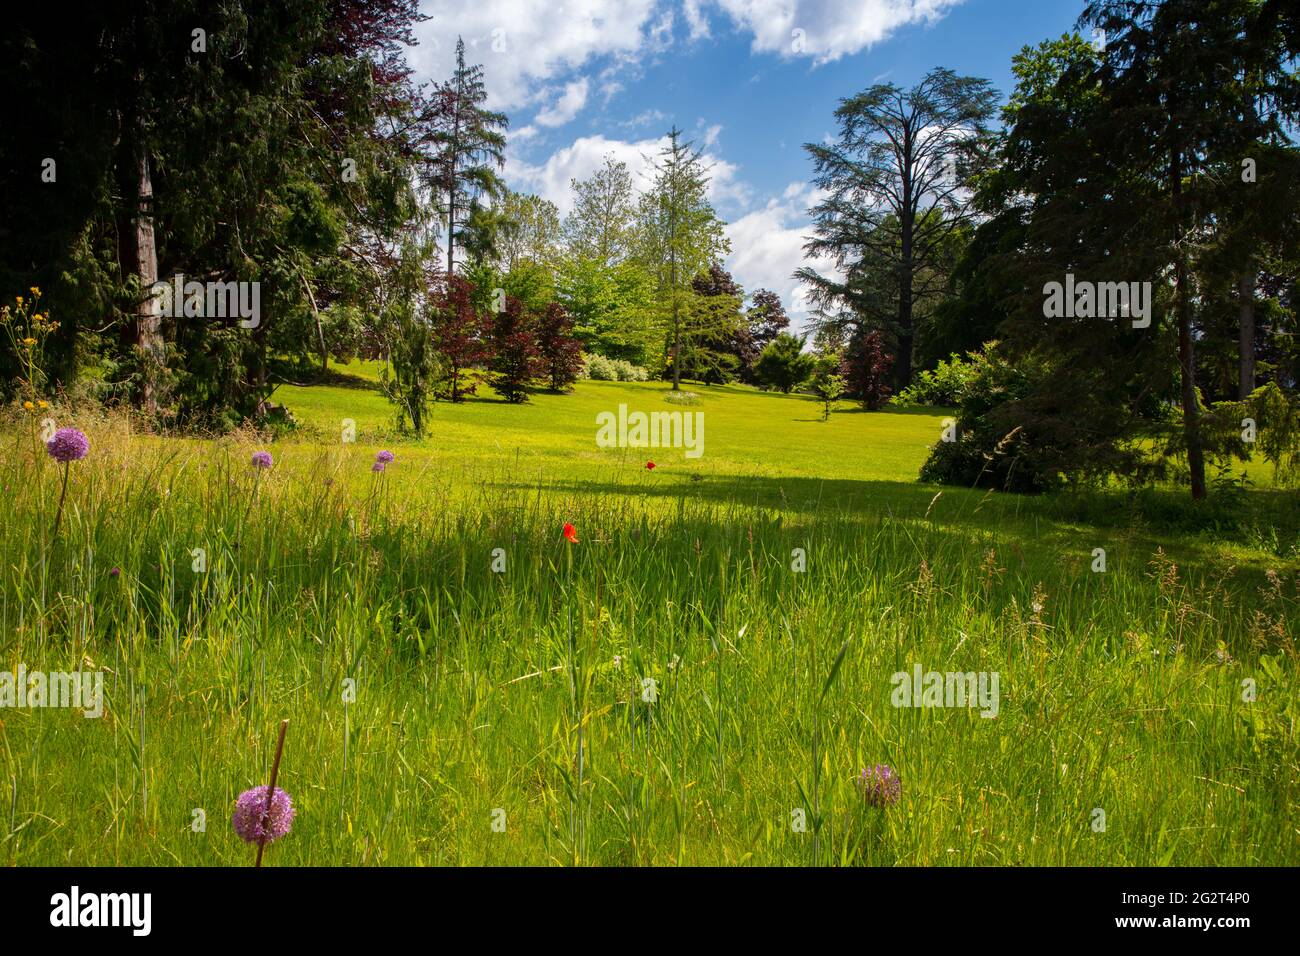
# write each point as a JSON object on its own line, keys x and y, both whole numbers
{"x": 827, "y": 29}
{"x": 767, "y": 247}
{"x": 645, "y": 118}
{"x": 570, "y": 102}
{"x": 523, "y": 44}
{"x": 550, "y": 178}
{"x": 695, "y": 19}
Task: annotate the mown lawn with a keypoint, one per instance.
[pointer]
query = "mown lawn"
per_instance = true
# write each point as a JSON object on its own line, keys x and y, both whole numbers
{"x": 670, "y": 689}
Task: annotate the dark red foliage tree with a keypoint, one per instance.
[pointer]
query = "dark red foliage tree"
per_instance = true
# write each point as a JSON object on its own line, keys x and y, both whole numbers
{"x": 767, "y": 318}
{"x": 764, "y": 321}
{"x": 560, "y": 353}
{"x": 460, "y": 335}
{"x": 516, "y": 360}
{"x": 866, "y": 370}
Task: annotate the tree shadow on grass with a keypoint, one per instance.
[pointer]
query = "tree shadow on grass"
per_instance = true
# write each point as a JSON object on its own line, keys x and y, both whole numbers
{"x": 1038, "y": 523}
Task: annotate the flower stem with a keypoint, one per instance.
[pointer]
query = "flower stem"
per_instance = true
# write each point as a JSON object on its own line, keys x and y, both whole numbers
{"x": 58, "y": 515}
{"x": 270, "y": 791}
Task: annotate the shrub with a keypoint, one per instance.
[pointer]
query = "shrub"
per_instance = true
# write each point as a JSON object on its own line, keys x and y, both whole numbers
{"x": 783, "y": 364}
{"x": 516, "y": 362}
{"x": 599, "y": 368}
{"x": 561, "y": 358}
{"x": 602, "y": 369}
{"x": 866, "y": 368}
{"x": 946, "y": 384}
{"x": 985, "y": 452}
{"x": 627, "y": 372}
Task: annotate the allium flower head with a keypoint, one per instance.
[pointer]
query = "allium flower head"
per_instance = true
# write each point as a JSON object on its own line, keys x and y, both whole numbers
{"x": 385, "y": 457}
{"x": 377, "y": 467}
{"x": 881, "y": 786}
{"x": 68, "y": 444}
{"x": 262, "y": 459}
{"x": 249, "y": 809}
{"x": 114, "y": 572}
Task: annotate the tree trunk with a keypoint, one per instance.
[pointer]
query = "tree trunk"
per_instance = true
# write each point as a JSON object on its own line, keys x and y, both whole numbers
{"x": 677, "y": 324}
{"x": 1186, "y": 346}
{"x": 148, "y": 324}
{"x": 907, "y": 224}
{"x": 1246, "y": 340}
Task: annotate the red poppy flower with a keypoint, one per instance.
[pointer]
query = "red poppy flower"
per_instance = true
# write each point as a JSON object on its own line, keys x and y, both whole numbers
{"x": 571, "y": 533}
{"x": 649, "y": 466}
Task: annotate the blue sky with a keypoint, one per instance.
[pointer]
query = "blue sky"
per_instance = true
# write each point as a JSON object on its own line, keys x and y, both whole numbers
{"x": 749, "y": 80}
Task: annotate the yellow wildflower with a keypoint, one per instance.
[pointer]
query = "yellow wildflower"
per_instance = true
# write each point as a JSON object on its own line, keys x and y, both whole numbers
{"x": 36, "y": 290}
{"x": 28, "y": 405}
{"x": 42, "y": 404}
{"x": 29, "y": 341}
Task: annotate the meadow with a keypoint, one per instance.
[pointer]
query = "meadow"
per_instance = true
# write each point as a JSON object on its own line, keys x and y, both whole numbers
{"x": 698, "y": 680}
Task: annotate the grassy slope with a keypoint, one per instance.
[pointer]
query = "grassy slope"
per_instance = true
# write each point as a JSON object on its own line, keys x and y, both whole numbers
{"x": 476, "y": 691}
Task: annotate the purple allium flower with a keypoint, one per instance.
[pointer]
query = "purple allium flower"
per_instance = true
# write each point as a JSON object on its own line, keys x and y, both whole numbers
{"x": 881, "y": 786}
{"x": 68, "y": 444}
{"x": 251, "y": 806}
{"x": 114, "y": 572}
{"x": 377, "y": 466}
{"x": 385, "y": 457}
{"x": 262, "y": 459}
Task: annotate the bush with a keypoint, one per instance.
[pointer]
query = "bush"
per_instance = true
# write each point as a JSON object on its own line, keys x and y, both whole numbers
{"x": 985, "y": 452}
{"x": 598, "y": 368}
{"x": 866, "y": 368}
{"x": 945, "y": 385}
{"x": 602, "y": 369}
{"x": 783, "y": 364}
{"x": 627, "y": 372}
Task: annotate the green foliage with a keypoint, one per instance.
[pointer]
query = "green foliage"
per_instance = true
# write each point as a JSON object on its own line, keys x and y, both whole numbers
{"x": 613, "y": 307}
{"x": 784, "y": 365}
{"x": 945, "y": 384}
{"x": 827, "y": 383}
{"x": 1268, "y": 422}
{"x": 981, "y": 450}
{"x": 410, "y": 379}
{"x": 679, "y": 237}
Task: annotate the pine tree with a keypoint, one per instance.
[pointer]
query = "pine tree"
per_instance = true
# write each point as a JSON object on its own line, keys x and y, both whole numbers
{"x": 469, "y": 147}
{"x": 680, "y": 235}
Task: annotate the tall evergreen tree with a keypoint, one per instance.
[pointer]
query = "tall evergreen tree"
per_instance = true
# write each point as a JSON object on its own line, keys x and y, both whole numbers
{"x": 680, "y": 235}
{"x": 469, "y": 148}
{"x": 901, "y": 155}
